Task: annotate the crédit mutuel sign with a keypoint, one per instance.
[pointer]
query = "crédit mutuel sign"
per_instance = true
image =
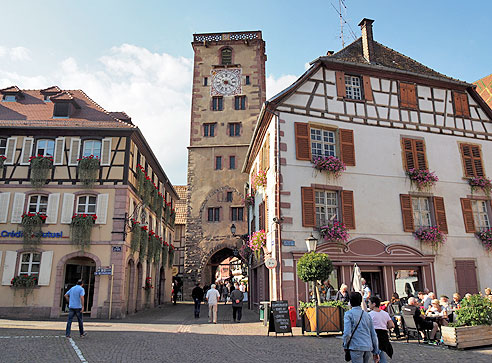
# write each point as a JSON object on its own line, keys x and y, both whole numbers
{"x": 20, "y": 234}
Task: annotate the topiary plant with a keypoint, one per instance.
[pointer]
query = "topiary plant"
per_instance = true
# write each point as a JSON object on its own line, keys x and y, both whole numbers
{"x": 314, "y": 267}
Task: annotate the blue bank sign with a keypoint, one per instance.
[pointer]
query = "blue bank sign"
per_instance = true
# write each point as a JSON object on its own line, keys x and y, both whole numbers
{"x": 20, "y": 234}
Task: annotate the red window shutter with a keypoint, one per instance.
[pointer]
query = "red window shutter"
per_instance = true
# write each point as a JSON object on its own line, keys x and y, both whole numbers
{"x": 340, "y": 79}
{"x": 367, "y": 88}
{"x": 408, "y": 95}
{"x": 348, "y": 214}
{"x": 440, "y": 214}
{"x": 467, "y": 160}
{"x": 266, "y": 214}
{"x": 466, "y": 277}
{"x": 403, "y": 95}
{"x": 477, "y": 160}
{"x": 267, "y": 152}
{"x": 421, "y": 161}
{"x": 408, "y": 153}
{"x": 347, "y": 147}
{"x": 407, "y": 212}
{"x": 261, "y": 215}
{"x": 465, "y": 109}
{"x": 308, "y": 207}
{"x": 303, "y": 147}
{"x": 457, "y": 104}
{"x": 466, "y": 207}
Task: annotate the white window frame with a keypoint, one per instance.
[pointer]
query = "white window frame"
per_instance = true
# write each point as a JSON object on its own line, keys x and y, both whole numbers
{"x": 422, "y": 212}
{"x": 30, "y": 263}
{"x": 45, "y": 153}
{"x": 323, "y": 142}
{"x": 91, "y": 148}
{"x": 353, "y": 87}
{"x": 3, "y": 140}
{"x": 480, "y": 215}
{"x": 87, "y": 204}
{"x": 327, "y": 204}
{"x": 37, "y": 203}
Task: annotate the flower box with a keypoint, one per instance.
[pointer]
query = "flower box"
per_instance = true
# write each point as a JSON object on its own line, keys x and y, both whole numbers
{"x": 486, "y": 238}
{"x": 88, "y": 170}
{"x": 257, "y": 241}
{"x": 423, "y": 179}
{"x": 467, "y": 336}
{"x": 331, "y": 164}
{"x": 335, "y": 232}
{"x": 480, "y": 183}
{"x": 259, "y": 180}
{"x": 40, "y": 169}
{"x": 322, "y": 319}
{"x": 430, "y": 235}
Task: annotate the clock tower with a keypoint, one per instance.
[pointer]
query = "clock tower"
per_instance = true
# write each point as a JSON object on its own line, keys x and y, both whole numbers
{"x": 228, "y": 92}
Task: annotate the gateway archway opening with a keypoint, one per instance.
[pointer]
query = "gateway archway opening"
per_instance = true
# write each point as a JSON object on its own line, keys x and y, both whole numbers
{"x": 225, "y": 265}
{"x": 75, "y": 269}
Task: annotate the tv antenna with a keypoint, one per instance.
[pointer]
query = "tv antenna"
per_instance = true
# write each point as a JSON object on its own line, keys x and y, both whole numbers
{"x": 341, "y": 10}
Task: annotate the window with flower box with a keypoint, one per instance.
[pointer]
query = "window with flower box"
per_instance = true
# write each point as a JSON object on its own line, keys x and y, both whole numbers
{"x": 29, "y": 263}
{"x": 3, "y": 146}
{"x": 45, "y": 147}
{"x": 92, "y": 147}
{"x": 313, "y": 140}
{"x": 38, "y": 204}
{"x": 326, "y": 206}
{"x": 423, "y": 212}
{"x": 86, "y": 204}
{"x": 476, "y": 214}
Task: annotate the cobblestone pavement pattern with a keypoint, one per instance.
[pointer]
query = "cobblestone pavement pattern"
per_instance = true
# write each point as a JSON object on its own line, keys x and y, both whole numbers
{"x": 171, "y": 334}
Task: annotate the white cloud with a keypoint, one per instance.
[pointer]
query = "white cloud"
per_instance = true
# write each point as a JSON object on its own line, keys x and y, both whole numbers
{"x": 19, "y": 54}
{"x": 153, "y": 88}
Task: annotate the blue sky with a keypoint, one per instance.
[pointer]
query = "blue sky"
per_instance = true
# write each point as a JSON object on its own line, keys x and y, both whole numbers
{"x": 121, "y": 51}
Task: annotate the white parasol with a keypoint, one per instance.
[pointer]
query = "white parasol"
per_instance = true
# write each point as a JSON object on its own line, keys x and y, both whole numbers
{"x": 357, "y": 284}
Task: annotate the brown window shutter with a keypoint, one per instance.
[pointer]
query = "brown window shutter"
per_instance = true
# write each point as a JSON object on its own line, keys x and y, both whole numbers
{"x": 253, "y": 225}
{"x": 477, "y": 160}
{"x": 267, "y": 152}
{"x": 340, "y": 79}
{"x": 403, "y": 95}
{"x": 440, "y": 214}
{"x": 348, "y": 214}
{"x": 466, "y": 207}
{"x": 303, "y": 147}
{"x": 367, "y": 88}
{"x": 408, "y": 152}
{"x": 407, "y": 212}
{"x": 466, "y": 277}
{"x": 465, "y": 109}
{"x": 420, "y": 154}
{"x": 308, "y": 207}
{"x": 261, "y": 215}
{"x": 467, "y": 160}
{"x": 266, "y": 214}
{"x": 412, "y": 96}
{"x": 347, "y": 147}
{"x": 458, "y": 106}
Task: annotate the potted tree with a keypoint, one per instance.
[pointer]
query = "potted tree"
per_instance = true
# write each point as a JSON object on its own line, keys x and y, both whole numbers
{"x": 472, "y": 326}
{"x": 316, "y": 316}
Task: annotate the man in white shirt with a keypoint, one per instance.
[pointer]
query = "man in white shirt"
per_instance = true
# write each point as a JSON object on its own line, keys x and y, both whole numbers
{"x": 212, "y": 297}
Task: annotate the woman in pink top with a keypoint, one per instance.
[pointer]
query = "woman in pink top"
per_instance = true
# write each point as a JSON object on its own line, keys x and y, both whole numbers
{"x": 382, "y": 322}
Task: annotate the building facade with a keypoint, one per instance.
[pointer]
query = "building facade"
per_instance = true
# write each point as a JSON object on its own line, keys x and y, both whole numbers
{"x": 382, "y": 114}
{"x": 74, "y": 182}
{"x": 228, "y": 91}
{"x": 484, "y": 89}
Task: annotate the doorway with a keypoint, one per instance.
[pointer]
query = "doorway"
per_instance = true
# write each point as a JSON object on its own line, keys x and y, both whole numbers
{"x": 75, "y": 269}
{"x": 375, "y": 282}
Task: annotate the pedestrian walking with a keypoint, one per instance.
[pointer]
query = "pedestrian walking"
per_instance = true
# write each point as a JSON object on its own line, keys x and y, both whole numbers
{"x": 237, "y": 298}
{"x": 212, "y": 299}
{"x": 197, "y": 296}
{"x": 382, "y": 323}
{"x": 359, "y": 336}
{"x": 75, "y": 299}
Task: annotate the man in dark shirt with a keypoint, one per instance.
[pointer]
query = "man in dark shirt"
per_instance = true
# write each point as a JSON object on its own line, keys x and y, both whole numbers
{"x": 197, "y": 295}
{"x": 412, "y": 311}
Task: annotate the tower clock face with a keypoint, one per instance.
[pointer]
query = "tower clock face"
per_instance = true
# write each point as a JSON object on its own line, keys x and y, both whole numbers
{"x": 226, "y": 82}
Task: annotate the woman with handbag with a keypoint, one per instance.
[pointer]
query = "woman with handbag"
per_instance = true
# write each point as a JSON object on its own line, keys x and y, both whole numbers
{"x": 359, "y": 337}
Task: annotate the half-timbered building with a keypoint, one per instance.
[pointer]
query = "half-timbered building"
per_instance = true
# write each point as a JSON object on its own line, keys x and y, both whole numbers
{"x": 383, "y": 115}
{"x": 80, "y": 191}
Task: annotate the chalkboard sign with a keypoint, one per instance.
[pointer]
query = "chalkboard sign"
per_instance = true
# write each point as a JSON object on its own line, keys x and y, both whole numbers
{"x": 279, "y": 318}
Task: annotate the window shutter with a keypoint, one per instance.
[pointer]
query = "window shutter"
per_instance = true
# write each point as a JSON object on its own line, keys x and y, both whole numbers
{"x": 466, "y": 207}
{"x": 477, "y": 160}
{"x": 403, "y": 95}
{"x": 106, "y": 152}
{"x": 4, "y": 207}
{"x": 347, "y": 147}
{"x": 67, "y": 208}
{"x": 348, "y": 214}
{"x": 440, "y": 214}
{"x": 10, "y": 150}
{"x": 408, "y": 154}
{"x": 340, "y": 79}
{"x": 407, "y": 212}
{"x": 267, "y": 221}
{"x": 45, "y": 268}
{"x": 9, "y": 267}
{"x": 303, "y": 147}
{"x": 466, "y": 277}
{"x": 52, "y": 210}
{"x": 421, "y": 161}
{"x": 59, "y": 151}
{"x": 472, "y": 160}
{"x": 367, "y": 88}
{"x": 465, "y": 109}
{"x": 267, "y": 152}
{"x": 74, "y": 152}
{"x": 102, "y": 208}
{"x": 17, "y": 208}
{"x": 408, "y": 95}
{"x": 308, "y": 207}
{"x": 26, "y": 150}
{"x": 261, "y": 215}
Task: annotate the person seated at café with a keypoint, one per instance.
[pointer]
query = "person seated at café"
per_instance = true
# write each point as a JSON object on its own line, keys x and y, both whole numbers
{"x": 446, "y": 308}
{"x": 326, "y": 290}
{"x": 455, "y": 303}
{"x": 421, "y": 297}
{"x": 411, "y": 310}
{"x": 488, "y": 293}
{"x": 342, "y": 294}
{"x": 428, "y": 300}
{"x": 435, "y": 312}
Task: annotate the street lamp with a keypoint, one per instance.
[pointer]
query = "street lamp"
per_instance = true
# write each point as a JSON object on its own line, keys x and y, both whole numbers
{"x": 311, "y": 243}
{"x": 233, "y": 230}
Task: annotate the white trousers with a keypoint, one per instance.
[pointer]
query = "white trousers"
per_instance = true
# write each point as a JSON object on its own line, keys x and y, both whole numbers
{"x": 212, "y": 313}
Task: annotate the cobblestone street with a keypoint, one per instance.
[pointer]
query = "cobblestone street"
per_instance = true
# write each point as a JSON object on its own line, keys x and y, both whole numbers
{"x": 171, "y": 334}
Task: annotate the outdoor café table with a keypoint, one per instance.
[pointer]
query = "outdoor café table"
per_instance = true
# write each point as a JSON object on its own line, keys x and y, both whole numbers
{"x": 435, "y": 317}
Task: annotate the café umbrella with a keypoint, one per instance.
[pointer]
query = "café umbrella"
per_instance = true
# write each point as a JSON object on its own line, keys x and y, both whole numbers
{"x": 357, "y": 284}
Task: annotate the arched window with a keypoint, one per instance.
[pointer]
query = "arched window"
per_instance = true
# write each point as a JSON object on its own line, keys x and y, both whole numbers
{"x": 226, "y": 56}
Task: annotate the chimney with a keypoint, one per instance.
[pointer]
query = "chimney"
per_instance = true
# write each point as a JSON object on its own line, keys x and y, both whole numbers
{"x": 367, "y": 40}
{"x": 330, "y": 53}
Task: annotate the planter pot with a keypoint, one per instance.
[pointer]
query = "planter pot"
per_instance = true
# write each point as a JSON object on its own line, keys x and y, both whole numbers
{"x": 322, "y": 319}
{"x": 467, "y": 336}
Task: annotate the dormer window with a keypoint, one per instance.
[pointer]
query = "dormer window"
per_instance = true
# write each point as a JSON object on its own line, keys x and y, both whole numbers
{"x": 46, "y": 98}
{"x": 61, "y": 109}
{"x": 11, "y": 94}
{"x": 226, "y": 56}
{"x": 9, "y": 98}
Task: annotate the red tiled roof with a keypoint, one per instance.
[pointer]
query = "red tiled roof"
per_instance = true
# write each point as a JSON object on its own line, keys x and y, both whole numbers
{"x": 52, "y": 89}
{"x": 484, "y": 89}
{"x": 12, "y": 89}
{"x": 181, "y": 204}
{"x": 32, "y": 111}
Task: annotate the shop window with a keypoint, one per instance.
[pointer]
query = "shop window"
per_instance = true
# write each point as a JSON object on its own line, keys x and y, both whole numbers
{"x": 92, "y": 147}
{"x": 86, "y": 204}
{"x": 38, "y": 204}
{"x": 45, "y": 147}
{"x": 29, "y": 264}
